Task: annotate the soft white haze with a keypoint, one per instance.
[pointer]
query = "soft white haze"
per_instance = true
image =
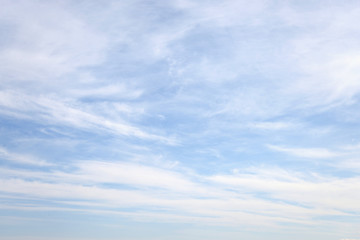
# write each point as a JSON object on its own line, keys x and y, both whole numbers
{"x": 179, "y": 119}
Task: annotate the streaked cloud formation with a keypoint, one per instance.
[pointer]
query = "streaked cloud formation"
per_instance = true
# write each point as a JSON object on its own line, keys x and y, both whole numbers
{"x": 179, "y": 120}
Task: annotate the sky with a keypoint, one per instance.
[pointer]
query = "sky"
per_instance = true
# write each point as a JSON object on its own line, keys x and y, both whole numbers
{"x": 179, "y": 119}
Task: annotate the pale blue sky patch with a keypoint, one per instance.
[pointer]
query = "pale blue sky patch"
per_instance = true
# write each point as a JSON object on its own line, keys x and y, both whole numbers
{"x": 179, "y": 120}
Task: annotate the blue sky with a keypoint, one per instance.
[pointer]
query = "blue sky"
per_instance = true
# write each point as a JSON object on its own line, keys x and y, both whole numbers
{"x": 179, "y": 119}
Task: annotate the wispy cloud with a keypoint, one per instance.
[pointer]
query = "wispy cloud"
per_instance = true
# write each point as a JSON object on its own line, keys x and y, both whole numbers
{"x": 305, "y": 152}
{"x": 21, "y": 158}
{"x": 177, "y": 192}
{"x": 180, "y": 112}
{"x": 273, "y": 125}
{"x": 56, "y": 111}
{"x": 43, "y": 47}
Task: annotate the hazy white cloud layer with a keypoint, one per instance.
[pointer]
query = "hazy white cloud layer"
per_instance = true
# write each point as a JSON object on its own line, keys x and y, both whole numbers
{"x": 179, "y": 120}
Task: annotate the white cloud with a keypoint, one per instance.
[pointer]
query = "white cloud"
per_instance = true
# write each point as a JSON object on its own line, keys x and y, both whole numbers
{"x": 317, "y": 193}
{"x": 21, "y": 158}
{"x": 352, "y": 164}
{"x": 214, "y": 74}
{"x": 113, "y": 92}
{"x": 328, "y": 59}
{"x": 351, "y": 147}
{"x": 68, "y": 113}
{"x": 223, "y": 210}
{"x": 135, "y": 175}
{"x": 217, "y": 199}
{"x": 225, "y": 13}
{"x": 273, "y": 125}
{"x": 47, "y": 42}
{"x": 305, "y": 152}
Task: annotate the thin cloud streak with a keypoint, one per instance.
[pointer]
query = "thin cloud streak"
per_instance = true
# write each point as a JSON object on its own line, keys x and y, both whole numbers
{"x": 305, "y": 152}
{"x": 21, "y": 158}
{"x": 65, "y": 113}
{"x": 304, "y": 198}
